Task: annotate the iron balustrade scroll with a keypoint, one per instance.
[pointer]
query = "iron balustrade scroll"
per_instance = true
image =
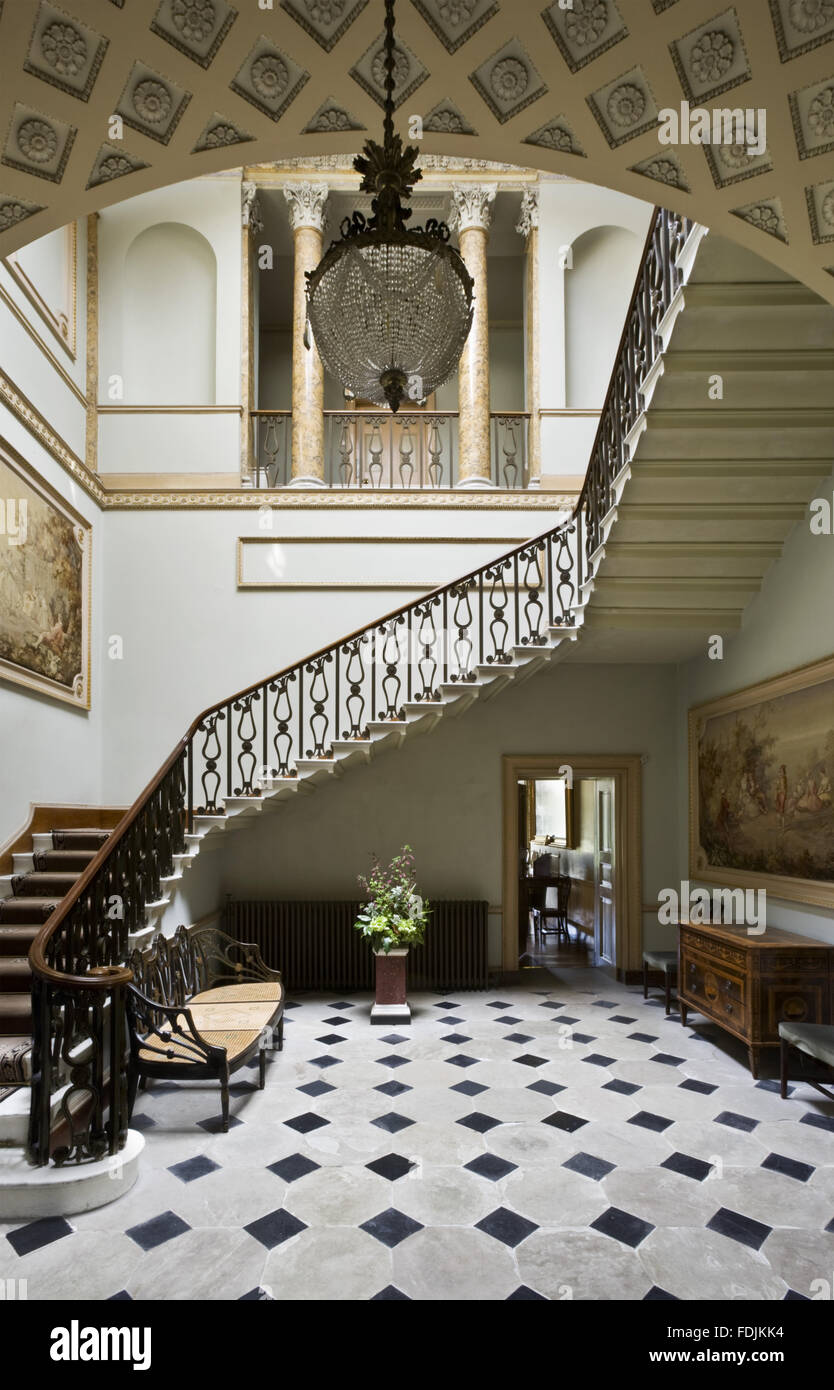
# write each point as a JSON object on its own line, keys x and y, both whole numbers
{"x": 308, "y": 713}
{"x": 376, "y": 450}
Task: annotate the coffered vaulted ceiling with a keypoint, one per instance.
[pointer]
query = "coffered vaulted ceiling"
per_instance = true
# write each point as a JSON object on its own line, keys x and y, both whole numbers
{"x": 207, "y": 85}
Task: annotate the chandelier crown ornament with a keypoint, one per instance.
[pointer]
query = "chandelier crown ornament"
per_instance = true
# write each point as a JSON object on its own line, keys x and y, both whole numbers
{"x": 390, "y": 306}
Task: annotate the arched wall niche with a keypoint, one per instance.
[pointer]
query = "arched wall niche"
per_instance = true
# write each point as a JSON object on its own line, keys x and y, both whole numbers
{"x": 170, "y": 317}
{"x": 599, "y": 276}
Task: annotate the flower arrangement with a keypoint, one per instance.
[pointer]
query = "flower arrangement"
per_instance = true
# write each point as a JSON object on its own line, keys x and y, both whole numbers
{"x": 395, "y": 915}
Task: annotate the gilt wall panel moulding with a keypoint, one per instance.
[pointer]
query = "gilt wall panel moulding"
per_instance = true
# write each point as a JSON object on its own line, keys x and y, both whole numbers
{"x": 60, "y": 318}
{"x": 30, "y": 417}
{"x": 761, "y": 770}
{"x": 297, "y": 79}
{"x": 261, "y": 562}
{"x": 45, "y": 586}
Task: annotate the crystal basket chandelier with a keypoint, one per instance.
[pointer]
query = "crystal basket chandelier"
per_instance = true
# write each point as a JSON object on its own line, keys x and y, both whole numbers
{"x": 390, "y": 306}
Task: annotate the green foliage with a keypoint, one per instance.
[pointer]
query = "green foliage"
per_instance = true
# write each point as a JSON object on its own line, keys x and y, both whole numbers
{"x": 395, "y": 915}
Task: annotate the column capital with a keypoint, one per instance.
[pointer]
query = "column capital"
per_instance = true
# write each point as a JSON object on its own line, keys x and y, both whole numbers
{"x": 472, "y": 205}
{"x": 306, "y": 204}
{"x": 528, "y": 217}
{"x": 250, "y": 208}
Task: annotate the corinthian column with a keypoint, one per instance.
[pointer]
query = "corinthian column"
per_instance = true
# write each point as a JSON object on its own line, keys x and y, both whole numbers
{"x": 252, "y": 224}
{"x": 528, "y": 227}
{"x": 472, "y": 214}
{"x": 306, "y": 203}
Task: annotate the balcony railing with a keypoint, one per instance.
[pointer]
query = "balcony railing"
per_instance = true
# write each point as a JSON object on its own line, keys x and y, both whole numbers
{"x": 378, "y": 451}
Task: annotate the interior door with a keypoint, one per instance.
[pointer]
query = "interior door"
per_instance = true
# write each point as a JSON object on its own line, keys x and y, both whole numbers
{"x": 605, "y": 871}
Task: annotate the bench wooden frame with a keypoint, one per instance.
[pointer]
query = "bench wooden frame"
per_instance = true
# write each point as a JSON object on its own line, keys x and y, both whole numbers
{"x": 200, "y": 1006}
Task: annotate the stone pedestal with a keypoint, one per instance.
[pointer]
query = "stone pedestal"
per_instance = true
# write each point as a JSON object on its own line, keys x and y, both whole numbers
{"x": 390, "y": 1003}
{"x": 472, "y": 205}
{"x": 306, "y": 203}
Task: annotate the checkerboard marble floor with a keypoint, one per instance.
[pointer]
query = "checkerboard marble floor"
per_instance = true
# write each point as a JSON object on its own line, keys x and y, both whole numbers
{"x": 563, "y": 1140}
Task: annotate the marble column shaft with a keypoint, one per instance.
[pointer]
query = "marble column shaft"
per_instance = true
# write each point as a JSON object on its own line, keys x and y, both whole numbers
{"x": 528, "y": 227}
{"x": 473, "y": 214}
{"x": 252, "y": 224}
{"x": 306, "y": 209}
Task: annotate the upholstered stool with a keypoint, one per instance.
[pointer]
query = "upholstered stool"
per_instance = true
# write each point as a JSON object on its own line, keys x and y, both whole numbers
{"x": 667, "y": 963}
{"x": 814, "y": 1040}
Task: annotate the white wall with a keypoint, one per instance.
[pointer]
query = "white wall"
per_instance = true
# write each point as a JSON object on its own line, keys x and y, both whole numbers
{"x": 170, "y": 303}
{"x": 191, "y": 637}
{"x": 594, "y": 315}
{"x": 49, "y": 751}
{"x": 441, "y": 793}
{"x": 789, "y": 624}
{"x": 130, "y": 335}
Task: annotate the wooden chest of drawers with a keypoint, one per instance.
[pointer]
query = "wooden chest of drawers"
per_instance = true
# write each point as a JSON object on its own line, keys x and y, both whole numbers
{"x": 749, "y": 984}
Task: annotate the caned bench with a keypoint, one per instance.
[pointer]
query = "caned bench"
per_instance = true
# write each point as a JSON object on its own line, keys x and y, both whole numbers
{"x": 201, "y": 1004}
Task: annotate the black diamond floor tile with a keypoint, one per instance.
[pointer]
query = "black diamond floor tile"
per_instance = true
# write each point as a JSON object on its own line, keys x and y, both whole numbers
{"x": 734, "y": 1121}
{"x": 604, "y": 1004}
{"x": 738, "y": 1227}
{"x": 589, "y": 1166}
{"x": 481, "y": 1123}
{"x": 655, "y": 1295}
{"x": 818, "y": 1121}
{"x": 393, "y": 1088}
{"x": 192, "y": 1168}
{"x": 394, "y": 1038}
{"x": 390, "y": 1294}
{"x": 392, "y": 1060}
{"x": 316, "y": 1088}
{"x": 518, "y": 1037}
{"x": 340, "y": 1004}
{"x": 623, "y": 1088}
{"x": 623, "y": 1226}
{"x": 774, "y": 1087}
{"x": 506, "y": 1226}
{"x": 553, "y": 1004}
{"x": 621, "y": 1018}
{"x": 392, "y": 1123}
{"x": 562, "y": 1119}
{"x": 646, "y": 1120}
{"x": 330, "y": 1039}
{"x": 447, "y": 1005}
{"x": 322, "y": 1062}
{"x": 121, "y": 1297}
{"x": 529, "y": 1059}
{"x": 213, "y": 1124}
{"x": 545, "y": 1088}
{"x": 276, "y": 1227}
{"x": 306, "y": 1123}
{"x": 788, "y": 1167}
{"x": 142, "y": 1122}
{"x": 564, "y": 1018}
{"x": 469, "y": 1088}
{"x": 666, "y": 1059}
{"x": 448, "y": 1020}
{"x": 391, "y": 1227}
{"x": 461, "y": 1060}
{"x": 490, "y": 1166}
{"x": 149, "y": 1234}
{"x": 598, "y": 1059}
{"x": 642, "y": 1037}
{"x": 391, "y": 1166}
{"x": 703, "y": 1088}
{"x": 292, "y": 1168}
{"x": 522, "y": 1293}
{"x": 335, "y": 1021}
{"x": 584, "y": 1037}
{"x": 498, "y": 1004}
{"x": 256, "y": 1295}
{"x": 689, "y": 1167}
{"x": 507, "y": 1018}
{"x": 457, "y": 1038}
{"x": 36, "y": 1234}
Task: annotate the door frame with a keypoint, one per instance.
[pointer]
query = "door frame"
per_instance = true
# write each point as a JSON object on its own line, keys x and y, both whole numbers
{"x": 625, "y": 769}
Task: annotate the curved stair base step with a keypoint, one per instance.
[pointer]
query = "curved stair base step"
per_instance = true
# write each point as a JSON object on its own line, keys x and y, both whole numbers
{"x": 27, "y": 1193}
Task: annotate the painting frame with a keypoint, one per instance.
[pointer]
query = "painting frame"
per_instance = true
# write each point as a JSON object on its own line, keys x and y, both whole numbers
{"x": 78, "y": 693}
{"x": 816, "y": 892}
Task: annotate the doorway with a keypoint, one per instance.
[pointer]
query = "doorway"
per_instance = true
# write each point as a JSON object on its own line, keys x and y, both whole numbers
{"x": 572, "y": 862}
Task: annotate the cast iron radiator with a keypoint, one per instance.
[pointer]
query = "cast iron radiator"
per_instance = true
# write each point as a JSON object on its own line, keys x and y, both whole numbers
{"x": 315, "y": 945}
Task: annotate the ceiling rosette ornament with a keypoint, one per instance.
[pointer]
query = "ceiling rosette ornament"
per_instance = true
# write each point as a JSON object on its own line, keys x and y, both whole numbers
{"x": 195, "y": 19}
{"x": 151, "y": 101}
{"x": 37, "y": 141}
{"x": 64, "y": 49}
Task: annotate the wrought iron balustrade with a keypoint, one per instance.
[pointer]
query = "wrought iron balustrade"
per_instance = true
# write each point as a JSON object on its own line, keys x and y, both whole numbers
{"x": 308, "y": 711}
{"x": 376, "y": 450}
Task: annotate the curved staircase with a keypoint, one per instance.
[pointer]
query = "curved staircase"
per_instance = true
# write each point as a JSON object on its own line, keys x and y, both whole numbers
{"x": 426, "y": 661}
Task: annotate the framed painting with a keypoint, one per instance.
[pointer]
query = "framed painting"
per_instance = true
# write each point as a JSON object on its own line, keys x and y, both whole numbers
{"x": 761, "y": 771}
{"x": 45, "y": 554}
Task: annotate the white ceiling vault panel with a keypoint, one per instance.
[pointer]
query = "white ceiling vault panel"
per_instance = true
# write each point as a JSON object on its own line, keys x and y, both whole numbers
{"x": 204, "y": 85}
